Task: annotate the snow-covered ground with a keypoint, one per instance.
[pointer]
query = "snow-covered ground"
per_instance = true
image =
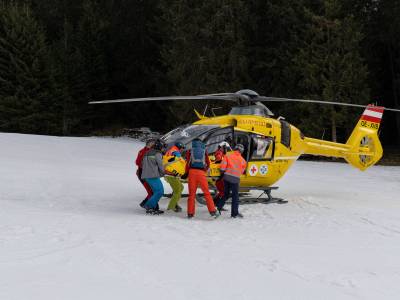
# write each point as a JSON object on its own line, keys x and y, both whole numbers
{"x": 71, "y": 228}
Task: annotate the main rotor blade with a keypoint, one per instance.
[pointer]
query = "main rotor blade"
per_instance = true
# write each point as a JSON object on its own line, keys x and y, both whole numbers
{"x": 169, "y": 98}
{"x": 275, "y": 99}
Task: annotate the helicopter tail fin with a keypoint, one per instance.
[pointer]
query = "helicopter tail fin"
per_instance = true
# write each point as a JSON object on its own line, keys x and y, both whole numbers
{"x": 365, "y": 148}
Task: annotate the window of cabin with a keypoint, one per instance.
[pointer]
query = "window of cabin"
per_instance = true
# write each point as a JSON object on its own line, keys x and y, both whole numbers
{"x": 261, "y": 147}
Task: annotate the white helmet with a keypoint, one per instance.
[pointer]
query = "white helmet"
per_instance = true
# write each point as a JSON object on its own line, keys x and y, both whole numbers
{"x": 222, "y": 144}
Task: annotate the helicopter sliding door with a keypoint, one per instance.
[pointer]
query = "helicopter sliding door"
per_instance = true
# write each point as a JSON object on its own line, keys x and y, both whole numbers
{"x": 243, "y": 138}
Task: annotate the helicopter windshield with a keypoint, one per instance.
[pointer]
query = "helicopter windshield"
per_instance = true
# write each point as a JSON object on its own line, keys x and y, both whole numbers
{"x": 254, "y": 110}
{"x": 185, "y": 134}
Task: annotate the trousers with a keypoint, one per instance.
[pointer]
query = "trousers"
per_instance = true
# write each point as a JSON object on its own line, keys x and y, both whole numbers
{"x": 177, "y": 189}
{"x": 228, "y": 188}
{"x": 158, "y": 191}
{"x": 220, "y": 189}
{"x": 145, "y": 184}
{"x": 197, "y": 178}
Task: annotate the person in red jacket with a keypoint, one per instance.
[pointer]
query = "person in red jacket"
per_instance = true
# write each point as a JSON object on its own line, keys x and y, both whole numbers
{"x": 219, "y": 155}
{"x": 139, "y": 160}
{"x": 197, "y": 164}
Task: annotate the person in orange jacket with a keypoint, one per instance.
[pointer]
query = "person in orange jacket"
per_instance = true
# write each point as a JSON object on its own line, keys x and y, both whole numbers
{"x": 233, "y": 165}
{"x": 197, "y": 164}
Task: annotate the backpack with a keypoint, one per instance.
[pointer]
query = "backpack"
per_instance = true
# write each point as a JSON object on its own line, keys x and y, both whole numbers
{"x": 198, "y": 155}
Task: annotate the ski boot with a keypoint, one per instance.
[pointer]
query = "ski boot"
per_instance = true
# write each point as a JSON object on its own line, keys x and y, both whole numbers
{"x": 215, "y": 214}
{"x": 239, "y": 215}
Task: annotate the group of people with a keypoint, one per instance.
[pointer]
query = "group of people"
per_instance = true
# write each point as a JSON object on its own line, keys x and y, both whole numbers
{"x": 153, "y": 163}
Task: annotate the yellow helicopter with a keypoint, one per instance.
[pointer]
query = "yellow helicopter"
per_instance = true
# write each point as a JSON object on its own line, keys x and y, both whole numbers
{"x": 271, "y": 145}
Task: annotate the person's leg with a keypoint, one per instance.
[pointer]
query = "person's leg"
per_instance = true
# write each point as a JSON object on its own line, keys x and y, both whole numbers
{"x": 220, "y": 188}
{"x": 192, "y": 182}
{"x": 177, "y": 188}
{"x": 158, "y": 192}
{"x": 145, "y": 184}
{"x": 235, "y": 199}
{"x": 222, "y": 201}
{"x": 204, "y": 187}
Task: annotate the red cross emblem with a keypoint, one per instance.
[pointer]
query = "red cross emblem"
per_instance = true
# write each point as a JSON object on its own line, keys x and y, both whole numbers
{"x": 253, "y": 170}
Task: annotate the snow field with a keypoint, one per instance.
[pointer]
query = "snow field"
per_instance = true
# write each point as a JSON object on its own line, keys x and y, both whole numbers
{"x": 71, "y": 228}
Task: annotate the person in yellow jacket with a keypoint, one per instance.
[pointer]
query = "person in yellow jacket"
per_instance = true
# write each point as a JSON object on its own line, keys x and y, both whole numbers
{"x": 232, "y": 166}
{"x": 174, "y": 156}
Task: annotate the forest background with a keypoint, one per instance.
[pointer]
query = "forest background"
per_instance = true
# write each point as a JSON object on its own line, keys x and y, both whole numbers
{"x": 56, "y": 55}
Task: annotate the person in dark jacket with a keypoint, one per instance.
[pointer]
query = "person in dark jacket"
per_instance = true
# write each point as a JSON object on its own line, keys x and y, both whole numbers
{"x": 139, "y": 160}
{"x": 152, "y": 171}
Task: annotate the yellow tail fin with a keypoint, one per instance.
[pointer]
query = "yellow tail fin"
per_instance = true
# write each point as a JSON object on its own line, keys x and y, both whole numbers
{"x": 365, "y": 146}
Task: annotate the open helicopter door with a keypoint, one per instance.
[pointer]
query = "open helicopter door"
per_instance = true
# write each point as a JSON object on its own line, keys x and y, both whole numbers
{"x": 213, "y": 139}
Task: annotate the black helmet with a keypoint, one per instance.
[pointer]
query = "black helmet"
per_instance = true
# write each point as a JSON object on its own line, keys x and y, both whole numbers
{"x": 179, "y": 145}
{"x": 150, "y": 143}
{"x": 158, "y": 145}
{"x": 240, "y": 148}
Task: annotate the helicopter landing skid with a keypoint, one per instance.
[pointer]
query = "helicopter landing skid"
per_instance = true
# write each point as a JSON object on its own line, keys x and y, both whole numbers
{"x": 245, "y": 196}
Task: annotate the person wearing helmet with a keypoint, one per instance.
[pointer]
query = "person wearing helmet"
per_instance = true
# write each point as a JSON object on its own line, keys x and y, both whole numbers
{"x": 139, "y": 160}
{"x": 232, "y": 167}
{"x": 174, "y": 153}
{"x": 152, "y": 172}
{"x": 223, "y": 148}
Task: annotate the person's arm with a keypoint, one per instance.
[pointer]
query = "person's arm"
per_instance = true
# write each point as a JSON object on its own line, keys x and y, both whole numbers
{"x": 139, "y": 158}
{"x": 244, "y": 164}
{"x": 160, "y": 163}
{"x": 207, "y": 159}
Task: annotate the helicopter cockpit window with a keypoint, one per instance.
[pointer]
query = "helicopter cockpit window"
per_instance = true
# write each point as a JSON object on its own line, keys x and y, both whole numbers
{"x": 253, "y": 110}
{"x": 222, "y": 135}
{"x": 261, "y": 147}
{"x": 185, "y": 134}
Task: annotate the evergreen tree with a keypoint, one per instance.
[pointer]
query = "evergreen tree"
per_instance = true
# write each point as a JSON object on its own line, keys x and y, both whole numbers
{"x": 331, "y": 69}
{"x": 29, "y": 97}
{"x": 204, "y": 49}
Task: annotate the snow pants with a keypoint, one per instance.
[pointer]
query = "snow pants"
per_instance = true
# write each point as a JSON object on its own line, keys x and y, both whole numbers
{"x": 158, "y": 191}
{"x": 220, "y": 189}
{"x": 197, "y": 178}
{"x": 234, "y": 188}
{"x": 177, "y": 189}
{"x": 145, "y": 184}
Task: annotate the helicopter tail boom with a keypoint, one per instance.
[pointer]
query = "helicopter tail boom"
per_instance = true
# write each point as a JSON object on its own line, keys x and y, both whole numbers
{"x": 363, "y": 148}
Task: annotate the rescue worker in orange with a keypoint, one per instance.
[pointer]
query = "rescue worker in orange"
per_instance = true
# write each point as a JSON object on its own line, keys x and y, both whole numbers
{"x": 233, "y": 165}
{"x": 223, "y": 148}
{"x": 197, "y": 164}
{"x": 173, "y": 178}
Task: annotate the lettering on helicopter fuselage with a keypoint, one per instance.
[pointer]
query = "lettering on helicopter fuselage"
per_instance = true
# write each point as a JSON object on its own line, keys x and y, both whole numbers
{"x": 254, "y": 123}
{"x": 369, "y": 125}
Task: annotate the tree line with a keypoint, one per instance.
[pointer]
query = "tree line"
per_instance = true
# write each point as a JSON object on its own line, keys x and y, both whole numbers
{"x": 57, "y": 55}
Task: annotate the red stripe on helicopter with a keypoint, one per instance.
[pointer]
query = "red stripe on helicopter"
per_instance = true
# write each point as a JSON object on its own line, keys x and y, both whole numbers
{"x": 373, "y": 114}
